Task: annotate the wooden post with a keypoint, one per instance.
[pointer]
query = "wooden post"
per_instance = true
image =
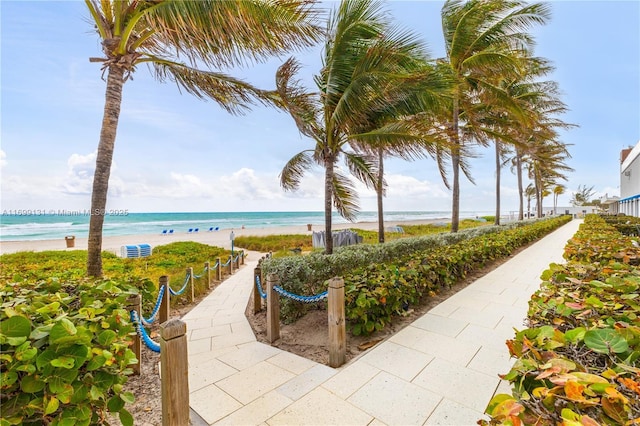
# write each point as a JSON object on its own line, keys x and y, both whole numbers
{"x": 273, "y": 309}
{"x": 230, "y": 265}
{"x": 174, "y": 373}
{"x": 337, "y": 328}
{"x": 134, "y": 304}
{"x": 257, "y": 299}
{"x": 191, "y": 282}
{"x": 242, "y": 258}
{"x": 219, "y": 271}
{"x": 206, "y": 268}
{"x": 165, "y": 309}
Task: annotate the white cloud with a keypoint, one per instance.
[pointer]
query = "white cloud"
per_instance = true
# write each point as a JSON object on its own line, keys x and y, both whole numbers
{"x": 3, "y": 156}
{"x": 79, "y": 179}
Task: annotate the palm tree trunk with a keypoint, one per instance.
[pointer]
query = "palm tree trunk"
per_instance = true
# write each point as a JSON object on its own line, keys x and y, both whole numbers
{"x": 328, "y": 205}
{"x": 520, "y": 189}
{"x": 455, "y": 163}
{"x": 113, "y": 101}
{"x": 497, "y": 220}
{"x": 380, "y": 191}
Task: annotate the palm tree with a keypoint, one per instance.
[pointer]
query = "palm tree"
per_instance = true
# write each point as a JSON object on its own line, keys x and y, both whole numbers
{"x": 483, "y": 38}
{"x": 176, "y": 38}
{"x": 557, "y": 191}
{"x": 368, "y": 65}
{"x": 546, "y": 163}
{"x": 530, "y": 192}
{"x": 411, "y": 118}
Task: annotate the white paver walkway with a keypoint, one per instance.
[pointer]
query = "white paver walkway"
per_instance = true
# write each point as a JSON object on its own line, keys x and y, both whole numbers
{"x": 440, "y": 370}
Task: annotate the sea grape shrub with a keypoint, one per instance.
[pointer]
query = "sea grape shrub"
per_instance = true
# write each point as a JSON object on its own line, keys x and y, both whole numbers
{"x": 577, "y": 363}
{"x": 65, "y": 352}
{"x": 308, "y": 275}
{"x": 377, "y": 292}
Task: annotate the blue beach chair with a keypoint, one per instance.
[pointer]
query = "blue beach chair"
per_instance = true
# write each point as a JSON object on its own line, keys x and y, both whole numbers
{"x": 171, "y": 231}
{"x": 190, "y": 230}
{"x": 164, "y": 232}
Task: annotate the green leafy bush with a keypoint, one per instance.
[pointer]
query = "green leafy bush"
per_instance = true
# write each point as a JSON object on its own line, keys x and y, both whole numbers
{"x": 307, "y": 275}
{"x": 577, "y": 363}
{"x": 373, "y": 294}
{"x": 64, "y": 341}
{"x": 64, "y": 352}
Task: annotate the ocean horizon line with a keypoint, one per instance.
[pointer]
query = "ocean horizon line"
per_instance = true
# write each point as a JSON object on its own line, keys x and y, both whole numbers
{"x": 23, "y": 227}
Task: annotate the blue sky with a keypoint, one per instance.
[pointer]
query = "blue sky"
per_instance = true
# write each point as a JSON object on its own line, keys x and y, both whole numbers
{"x": 176, "y": 153}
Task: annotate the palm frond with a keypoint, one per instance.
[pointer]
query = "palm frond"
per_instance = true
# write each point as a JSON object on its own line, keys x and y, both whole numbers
{"x": 345, "y": 197}
{"x": 294, "y": 170}
{"x": 363, "y": 167}
{"x": 232, "y": 94}
{"x": 299, "y": 103}
{"x": 229, "y": 33}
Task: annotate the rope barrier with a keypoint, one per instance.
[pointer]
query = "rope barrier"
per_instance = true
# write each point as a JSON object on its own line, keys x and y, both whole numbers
{"x": 215, "y": 266}
{"x": 227, "y": 264}
{"x": 184, "y": 287}
{"x": 155, "y": 347}
{"x": 156, "y": 309}
{"x": 259, "y": 286}
{"x": 298, "y": 298}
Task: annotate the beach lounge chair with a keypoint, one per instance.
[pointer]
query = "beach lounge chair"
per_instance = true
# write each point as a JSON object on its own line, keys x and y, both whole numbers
{"x": 171, "y": 231}
{"x": 190, "y": 230}
{"x": 164, "y": 232}
{"x": 196, "y": 230}
{"x": 211, "y": 229}
{"x": 216, "y": 228}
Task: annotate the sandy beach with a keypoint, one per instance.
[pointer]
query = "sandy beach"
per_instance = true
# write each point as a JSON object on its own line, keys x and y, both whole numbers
{"x": 219, "y": 238}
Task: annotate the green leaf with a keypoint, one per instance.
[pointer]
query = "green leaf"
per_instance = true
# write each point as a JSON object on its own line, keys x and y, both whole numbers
{"x": 107, "y": 337}
{"x": 128, "y": 397}
{"x": 25, "y": 352}
{"x": 62, "y": 331}
{"x": 126, "y": 418}
{"x": 115, "y": 404}
{"x": 96, "y": 393}
{"x": 8, "y": 378}
{"x": 51, "y": 308}
{"x": 605, "y": 341}
{"x": 96, "y": 362}
{"x": 575, "y": 335}
{"x": 52, "y": 405}
{"x": 63, "y": 362}
{"x": 16, "y": 341}
{"x": 30, "y": 384}
{"x": 16, "y": 326}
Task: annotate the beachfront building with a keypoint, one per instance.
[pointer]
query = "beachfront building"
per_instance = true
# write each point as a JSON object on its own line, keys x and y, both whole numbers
{"x": 629, "y": 202}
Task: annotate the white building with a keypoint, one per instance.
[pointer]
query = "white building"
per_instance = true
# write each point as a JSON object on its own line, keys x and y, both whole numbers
{"x": 629, "y": 202}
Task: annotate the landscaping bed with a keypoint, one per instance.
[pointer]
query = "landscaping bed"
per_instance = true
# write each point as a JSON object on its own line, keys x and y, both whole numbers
{"x": 577, "y": 363}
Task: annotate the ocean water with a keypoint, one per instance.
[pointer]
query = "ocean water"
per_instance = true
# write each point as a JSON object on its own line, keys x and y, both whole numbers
{"x": 24, "y": 225}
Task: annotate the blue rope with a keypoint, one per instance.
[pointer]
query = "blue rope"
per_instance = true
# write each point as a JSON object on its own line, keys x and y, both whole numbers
{"x": 156, "y": 309}
{"x": 298, "y": 298}
{"x": 215, "y": 266}
{"x": 198, "y": 276}
{"x": 259, "y": 286}
{"x": 155, "y": 347}
{"x": 227, "y": 264}
{"x": 236, "y": 259}
{"x": 184, "y": 286}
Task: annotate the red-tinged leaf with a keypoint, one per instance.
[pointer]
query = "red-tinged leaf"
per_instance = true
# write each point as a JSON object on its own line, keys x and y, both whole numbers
{"x": 575, "y": 305}
{"x": 615, "y": 410}
{"x": 588, "y": 421}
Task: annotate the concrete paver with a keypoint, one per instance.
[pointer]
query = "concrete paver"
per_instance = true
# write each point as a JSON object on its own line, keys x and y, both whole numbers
{"x": 440, "y": 370}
